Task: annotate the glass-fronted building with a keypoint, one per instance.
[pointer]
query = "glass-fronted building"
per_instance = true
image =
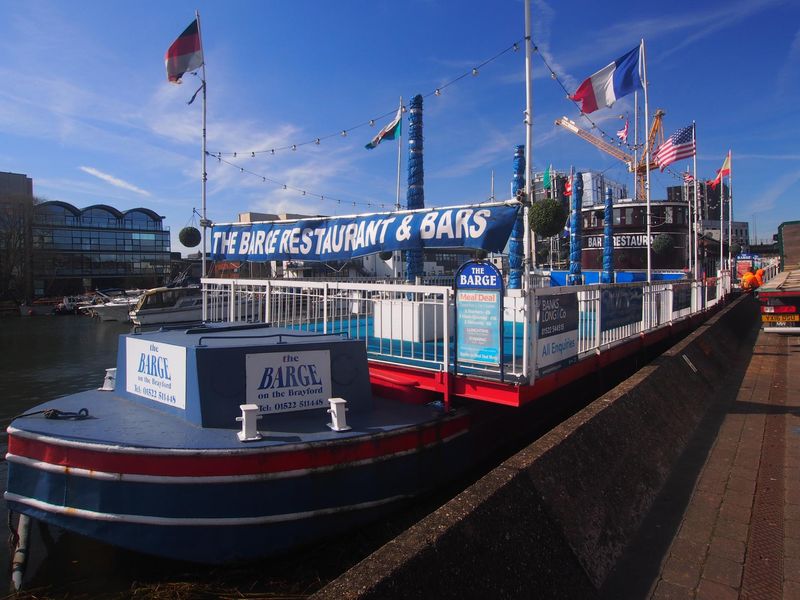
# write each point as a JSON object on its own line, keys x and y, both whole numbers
{"x": 74, "y": 250}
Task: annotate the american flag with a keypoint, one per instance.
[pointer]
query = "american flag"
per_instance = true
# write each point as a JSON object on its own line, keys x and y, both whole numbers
{"x": 688, "y": 177}
{"x": 679, "y": 145}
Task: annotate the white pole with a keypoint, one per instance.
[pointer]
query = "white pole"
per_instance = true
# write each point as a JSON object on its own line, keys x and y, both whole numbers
{"x": 721, "y": 221}
{"x": 730, "y": 208}
{"x": 696, "y": 205}
{"x": 204, "y": 221}
{"x": 397, "y": 255}
{"x": 635, "y": 145}
{"x": 529, "y": 248}
{"x": 685, "y": 190}
{"x": 647, "y": 158}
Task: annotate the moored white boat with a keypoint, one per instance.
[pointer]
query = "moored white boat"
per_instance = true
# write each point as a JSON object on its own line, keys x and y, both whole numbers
{"x": 168, "y": 305}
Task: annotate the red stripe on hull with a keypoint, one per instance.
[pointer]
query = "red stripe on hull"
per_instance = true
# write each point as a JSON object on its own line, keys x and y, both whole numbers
{"x": 220, "y": 463}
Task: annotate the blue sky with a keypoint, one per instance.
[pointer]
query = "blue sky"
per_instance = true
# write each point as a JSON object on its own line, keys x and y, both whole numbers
{"x": 87, "y": 113}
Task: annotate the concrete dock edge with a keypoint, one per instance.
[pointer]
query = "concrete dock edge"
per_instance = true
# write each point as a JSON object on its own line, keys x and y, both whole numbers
{"x": 553, "y": 519}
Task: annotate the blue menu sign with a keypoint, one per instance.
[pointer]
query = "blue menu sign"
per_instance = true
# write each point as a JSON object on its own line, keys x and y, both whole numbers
{"x": 479, "y": 313}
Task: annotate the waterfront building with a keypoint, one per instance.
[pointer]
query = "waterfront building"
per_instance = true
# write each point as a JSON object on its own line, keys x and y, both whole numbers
{"x": 95, "y": 247}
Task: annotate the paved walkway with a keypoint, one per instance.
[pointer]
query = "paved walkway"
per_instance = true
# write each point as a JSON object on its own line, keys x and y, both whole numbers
{"x": 727, "y": 522}
{"x": 739, "y": 536}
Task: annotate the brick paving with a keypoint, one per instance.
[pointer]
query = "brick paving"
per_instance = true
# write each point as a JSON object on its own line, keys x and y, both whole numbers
{"x": 739, "y": 535}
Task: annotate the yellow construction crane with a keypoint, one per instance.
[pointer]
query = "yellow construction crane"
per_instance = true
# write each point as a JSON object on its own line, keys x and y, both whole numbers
{"x": 654, "y": 139}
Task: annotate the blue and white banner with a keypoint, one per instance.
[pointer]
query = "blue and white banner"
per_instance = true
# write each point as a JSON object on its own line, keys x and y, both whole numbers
{"x": 342, "y": 238}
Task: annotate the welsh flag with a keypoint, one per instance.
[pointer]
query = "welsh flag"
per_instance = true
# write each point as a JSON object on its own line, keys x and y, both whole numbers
{"x": 389, "y": 132}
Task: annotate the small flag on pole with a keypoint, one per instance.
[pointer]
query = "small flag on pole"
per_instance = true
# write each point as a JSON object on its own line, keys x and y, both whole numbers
{"x": 610, "y": 83}
{"x": 688, "y": 177}
{"x": 389, "y": 132}
{"x": 622, "y": 134}
{"x": 568, "y": 187}
{"x": 185, "y": 54}
{"x": 679, "y": 145}
{"x": 725, "y": 170}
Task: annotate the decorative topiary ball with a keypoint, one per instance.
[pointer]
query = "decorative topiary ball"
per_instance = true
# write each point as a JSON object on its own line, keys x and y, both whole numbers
{"x": 662, "y": 244}
{"x": 189, "y": 236}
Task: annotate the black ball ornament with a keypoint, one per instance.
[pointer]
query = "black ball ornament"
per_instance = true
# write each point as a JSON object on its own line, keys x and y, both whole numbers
{"x": 385, "y": 255}
{"x": 189, "y": 236}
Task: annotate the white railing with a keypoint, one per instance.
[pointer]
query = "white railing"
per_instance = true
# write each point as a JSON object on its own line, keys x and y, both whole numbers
{"x": 415, "y": 325}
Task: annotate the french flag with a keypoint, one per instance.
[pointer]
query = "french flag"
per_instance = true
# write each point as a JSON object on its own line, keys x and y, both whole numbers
{"x": 610, "y": 83}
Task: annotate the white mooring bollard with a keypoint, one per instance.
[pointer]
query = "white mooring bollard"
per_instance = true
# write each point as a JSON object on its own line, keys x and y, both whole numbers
{"x": 338, "y": 411}
{"x": 110, "y": 380}
{"x": 249, "y": 419}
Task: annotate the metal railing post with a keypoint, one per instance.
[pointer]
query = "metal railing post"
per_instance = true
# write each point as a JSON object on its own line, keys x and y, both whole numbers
{"x": 325, "y": 308}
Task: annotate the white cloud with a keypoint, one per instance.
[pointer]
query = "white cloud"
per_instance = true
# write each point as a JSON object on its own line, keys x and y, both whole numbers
{"x": 115, "y": 181}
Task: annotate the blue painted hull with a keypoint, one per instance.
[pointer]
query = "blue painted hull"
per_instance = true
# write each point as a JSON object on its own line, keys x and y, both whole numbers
{"x": 251, "y": 502}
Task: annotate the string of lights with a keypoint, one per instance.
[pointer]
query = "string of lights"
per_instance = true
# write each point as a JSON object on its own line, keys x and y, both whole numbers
{"x": 264, "y": 179}
{"x": 474, "y": 71}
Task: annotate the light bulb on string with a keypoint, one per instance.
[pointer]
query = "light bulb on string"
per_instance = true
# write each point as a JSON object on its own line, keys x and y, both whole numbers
{"x": 294, "y": 147}
{"x": 317, "y": 142}
{"x": 234, "y": 155}
{"x": 252, "y": 155}
{"x": 372, "y": 122}
{"x": 474, "y": 72}
{"x": 437, "y": 92}
{"x": 344, "y": 133}
{"x": 515, "y": 47}
{"x": 272, "y": 151}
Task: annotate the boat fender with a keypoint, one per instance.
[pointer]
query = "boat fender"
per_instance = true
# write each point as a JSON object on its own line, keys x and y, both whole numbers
{"x": 338, "y": 412}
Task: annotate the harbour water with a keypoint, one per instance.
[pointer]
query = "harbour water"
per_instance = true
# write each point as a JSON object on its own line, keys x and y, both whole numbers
{"x": 47, "y": 357}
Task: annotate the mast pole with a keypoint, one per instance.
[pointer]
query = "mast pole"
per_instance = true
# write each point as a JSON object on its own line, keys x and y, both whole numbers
{"x": 635, "y": 165}
{"x": 396, "y": 256}
{"x": 204, "y": 175}
{"x": 730, "y": 210}
{"x": 647, "y": 159}
{"x": 529, "y": 237}
{"x": 696, "y": 205}
{"x": 721, "y": 223}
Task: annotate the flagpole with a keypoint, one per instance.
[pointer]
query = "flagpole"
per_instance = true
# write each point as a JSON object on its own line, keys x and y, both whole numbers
{"x": 696, "y": 206}
{"x": 721, "y": 221}
{"x": 635, "y": 145}
{"x": 647, "y": 159}
{"x": 689, "y": 253}
{"x": 204, "y": 175}
{"x": 730, "y": 208}
{"x": 396, "y": 256}
{"x": 529, "y": 236}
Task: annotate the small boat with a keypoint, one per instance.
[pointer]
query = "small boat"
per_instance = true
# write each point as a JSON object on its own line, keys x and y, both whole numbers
{"x": 168, "y": 305}
{"x": 39, "y": 307}
{"x": 71, "y": 305}
{"x": 113, "y": 304}
{"x": 172, "y": 460}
